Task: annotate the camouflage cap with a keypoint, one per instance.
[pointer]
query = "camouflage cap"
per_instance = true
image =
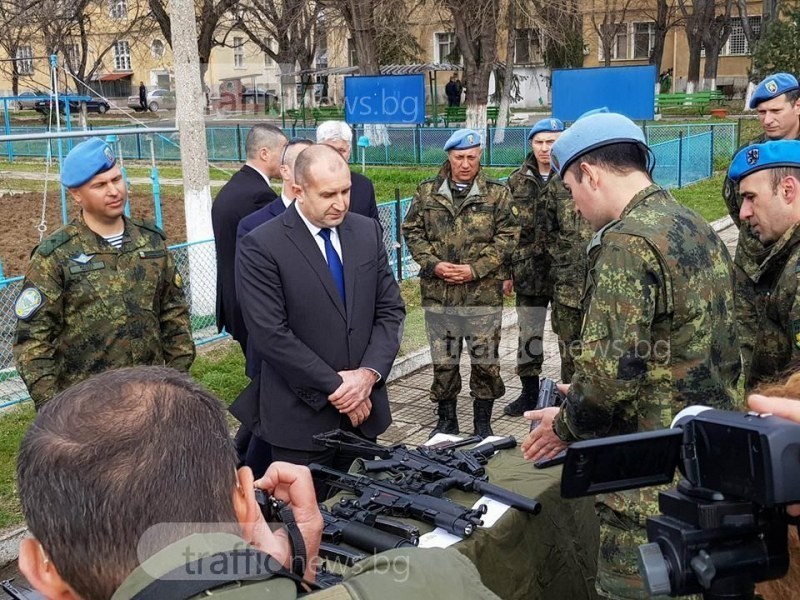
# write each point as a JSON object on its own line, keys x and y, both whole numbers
{"x": 590, "y": 133}
{"x": 769, "y": 155}
{"x": 772, "y": 87}
{"x": 86, "y": 160}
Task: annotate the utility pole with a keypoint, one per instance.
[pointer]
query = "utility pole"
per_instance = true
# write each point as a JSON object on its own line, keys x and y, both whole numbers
{"x": 190, "y": 121}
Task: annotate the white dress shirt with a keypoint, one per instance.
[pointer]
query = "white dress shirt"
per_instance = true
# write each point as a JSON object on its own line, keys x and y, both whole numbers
{"x": 314, "y": 230}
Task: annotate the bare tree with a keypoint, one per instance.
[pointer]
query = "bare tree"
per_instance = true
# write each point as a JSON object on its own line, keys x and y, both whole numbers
{"x": 475, "y": 24}
{"x": 665, "y": 15}
{"x": 13, "y": 30}
{"x": 211, "y": 16}
{"x": 508, "y": 75}
{"x": 608, "y": 20}
{"x": 286, "y": 31}
{"x": 707, "y": 26}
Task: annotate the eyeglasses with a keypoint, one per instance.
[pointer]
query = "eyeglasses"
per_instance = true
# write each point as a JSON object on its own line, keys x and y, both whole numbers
{"x": 292, "y": 142}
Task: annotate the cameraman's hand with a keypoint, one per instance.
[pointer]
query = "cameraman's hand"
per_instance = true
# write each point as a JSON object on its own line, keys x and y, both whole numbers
{"x": 293, "y": 485}
{"x": 542, "y": 442}
{"x": 780, "y": 407}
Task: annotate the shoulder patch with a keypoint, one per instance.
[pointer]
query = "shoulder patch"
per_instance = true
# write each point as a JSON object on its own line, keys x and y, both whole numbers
{"x": 28, "y": 302}
{"x": 49, "y": 245}
{"x": 150, "y": 227}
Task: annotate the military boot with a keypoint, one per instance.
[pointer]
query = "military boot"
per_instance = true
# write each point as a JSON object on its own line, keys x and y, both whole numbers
{"x": 448, "y": 419}
{"x": 527, "y": 399}
{"x": 482, "y": 417}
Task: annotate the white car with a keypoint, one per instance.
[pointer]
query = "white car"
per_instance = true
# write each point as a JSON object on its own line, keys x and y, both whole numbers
{"x": 155, "y": 99}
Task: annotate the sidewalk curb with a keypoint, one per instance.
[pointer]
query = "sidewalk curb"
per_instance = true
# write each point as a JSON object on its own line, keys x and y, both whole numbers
{"x": 9, "y": 544}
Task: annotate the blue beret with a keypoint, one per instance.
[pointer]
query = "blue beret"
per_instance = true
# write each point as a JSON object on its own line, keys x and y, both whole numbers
{"x": 772, "y": 87}
{"x": 86, "y": 160}
{"x": 590, "y": 133}
{"x": 550, "y": 125}
{"x": 463, "y": 139}
{"x": 769, "y": 155}
{"x": 594, "y": 111}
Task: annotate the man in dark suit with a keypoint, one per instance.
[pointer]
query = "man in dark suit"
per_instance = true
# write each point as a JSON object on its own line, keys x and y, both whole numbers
{"x": 339, "y": 136}
{"x": 247, "y": 191}
{"x": 324, "y": 313}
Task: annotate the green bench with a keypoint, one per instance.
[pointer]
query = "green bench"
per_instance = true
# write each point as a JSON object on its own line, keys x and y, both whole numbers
{"x": 458, "y": 114}
{"x": 327, "y": 113}
{"x": 698, "y": 100}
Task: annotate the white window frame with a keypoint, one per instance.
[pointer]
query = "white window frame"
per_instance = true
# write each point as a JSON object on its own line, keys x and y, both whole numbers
{"x": 628, "y": 31}
{"x": 72, "y": 52}
{"x": 153, "y": 53}
{"x": 615, "y": 46}
{"x": 352, "y": 55}
{"x": 122, "y": 56}
{"x": 438, "y": 41}
{"x": 118, "y": 9}
{"x": 651, "y": 39}
{"x": 238, "y": 52}
{"x": 737, "y": 45}
{"x": 535, "y": 44}
{"x": 24, "y": 60}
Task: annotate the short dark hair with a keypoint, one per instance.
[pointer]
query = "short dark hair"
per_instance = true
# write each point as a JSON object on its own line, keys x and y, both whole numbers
{"x": 779, "y": 174}
{"x": 793, "y": 96}
{"x": 621, "y": 158}
{"x": 115, "y": 455}
{"x": 263, "y": 135}
{"x": 316, "y": 156}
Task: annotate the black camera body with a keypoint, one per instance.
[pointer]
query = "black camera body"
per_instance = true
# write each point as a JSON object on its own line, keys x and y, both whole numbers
{"x": 724, "y": 527}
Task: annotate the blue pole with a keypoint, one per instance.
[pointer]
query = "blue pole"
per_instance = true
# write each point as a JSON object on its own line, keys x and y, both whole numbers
{"x": 113, "y": 141}
{"x": 8, "y": 130}
{"x": 53, "y": 66}
{"x": 156, "y": 186}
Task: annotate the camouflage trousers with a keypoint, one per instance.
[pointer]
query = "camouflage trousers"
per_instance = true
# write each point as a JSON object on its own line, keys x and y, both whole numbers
{"x": 531, "y": 315}
{"x": 447, "y": 334}
{"x": 566, "y": 323}
{"x": 745, "y": 265}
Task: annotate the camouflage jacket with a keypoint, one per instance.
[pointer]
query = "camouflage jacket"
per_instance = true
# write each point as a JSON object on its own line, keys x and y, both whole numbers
{"x": 481, "y": 232}
{"x": 658, "y": 331}
{"x": 86, "y": 306}
{"x": 531, "y": 260}
{"x": 571, "y": 234}
{"x": 778, "y": 305}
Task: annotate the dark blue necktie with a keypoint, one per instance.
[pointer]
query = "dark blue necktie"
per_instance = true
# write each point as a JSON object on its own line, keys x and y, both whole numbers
{"x": 334, "y": 262}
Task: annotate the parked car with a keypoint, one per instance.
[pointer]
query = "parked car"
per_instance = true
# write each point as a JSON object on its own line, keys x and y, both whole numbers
{"x": 27, "y": 99}
{"x": 156, "y": 99}
{"x": 92, "y": 105}
{"x": 260, "y": 95}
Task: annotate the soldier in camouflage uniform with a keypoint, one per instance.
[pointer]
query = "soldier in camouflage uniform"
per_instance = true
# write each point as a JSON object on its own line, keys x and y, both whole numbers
{"x": 461, "y": 230}
{"x": 777, "y": 101}
{"x": 572, "y": 234}
{"x": 768, "y": 178}
{"x": 100, "y": 293}
{"x": 530, "y": 266}
{"x": 658, "y": 331}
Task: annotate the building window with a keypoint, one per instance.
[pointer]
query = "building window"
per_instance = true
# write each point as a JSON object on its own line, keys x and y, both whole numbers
{"x": 25, "y": 60}
{"x": 73, "y": 55}
{"x": 528, "y": 47}
{"x": 619, "y": 44}
{"x": 737, "y": 42}
{"x": 446, "y": 48}
{"x": 157, "y": 49}
{"x": 644, "y": 39}
{"x": 352, "y": 56}
{"x": 238, "y": 52}
{"x": 118, "y": 9}
{"x": 122, "y": 56}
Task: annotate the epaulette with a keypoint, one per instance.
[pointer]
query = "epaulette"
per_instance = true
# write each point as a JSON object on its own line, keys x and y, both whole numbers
{"x": 59, "y": 238}
{"x": 150, "y": 227}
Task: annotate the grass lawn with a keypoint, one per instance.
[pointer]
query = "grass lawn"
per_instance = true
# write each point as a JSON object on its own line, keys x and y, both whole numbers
{"x": 705, "y": 197}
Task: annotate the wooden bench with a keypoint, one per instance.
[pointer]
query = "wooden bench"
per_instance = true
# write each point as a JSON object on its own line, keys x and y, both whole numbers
{"x": 698, "y": 100}
{"x": 458, "y": 114}
{"x": 327, "y": 113}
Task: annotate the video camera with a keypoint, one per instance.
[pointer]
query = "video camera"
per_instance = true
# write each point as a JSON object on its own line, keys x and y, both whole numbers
{"x": 724, "y": 527}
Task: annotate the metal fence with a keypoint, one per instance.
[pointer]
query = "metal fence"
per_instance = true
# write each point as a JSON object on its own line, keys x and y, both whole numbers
{"x": 200, "y": 293}
{"x": 408, "y": 145}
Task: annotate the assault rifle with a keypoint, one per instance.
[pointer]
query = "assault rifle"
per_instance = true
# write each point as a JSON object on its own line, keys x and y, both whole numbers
{"x": 392, "y": 499}
{"x": 443, "y": 468}
{"x": 548, "y": 396}
{"x": 339, "y": 530}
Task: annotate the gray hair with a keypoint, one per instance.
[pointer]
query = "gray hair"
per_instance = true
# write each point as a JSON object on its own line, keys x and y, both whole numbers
{"x": 332, "y": 131}
{"x": 263, "y": 135}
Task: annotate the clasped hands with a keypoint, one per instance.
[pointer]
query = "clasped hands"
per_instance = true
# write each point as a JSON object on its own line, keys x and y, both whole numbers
{"x": 452, "y": 273}
{"x": 352, "y": 396}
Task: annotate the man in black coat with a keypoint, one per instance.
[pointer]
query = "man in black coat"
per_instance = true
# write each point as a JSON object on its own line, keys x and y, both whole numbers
{"x": 247, "y": 191}
{"x": 325, "y": 316}
{"x": 339, "y": 136}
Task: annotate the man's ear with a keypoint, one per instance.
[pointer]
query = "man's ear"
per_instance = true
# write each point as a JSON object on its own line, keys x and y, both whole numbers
{"x": 790, "y": 187}
{"x": 244, "y": 502}
{"x": 263, "y": 154}
{"x": 41, "y": 573}
{"x": 297, "y": 191}
{"x": 590, "y": 173}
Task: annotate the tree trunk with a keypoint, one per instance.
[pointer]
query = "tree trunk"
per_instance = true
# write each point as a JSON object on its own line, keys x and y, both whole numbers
{"x": 693, "y": 75}
{"x": 476, "y": 99}
{"x": 508, "y": 77}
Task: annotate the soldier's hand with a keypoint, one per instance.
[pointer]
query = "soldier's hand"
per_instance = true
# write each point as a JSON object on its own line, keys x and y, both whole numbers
{"x": 360, "y": 414}
{"x": 508, "y": 287}
{"x": 542, "y": 442}
{"x": 460, "y": 274}
{"x": 443, "y": 270}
